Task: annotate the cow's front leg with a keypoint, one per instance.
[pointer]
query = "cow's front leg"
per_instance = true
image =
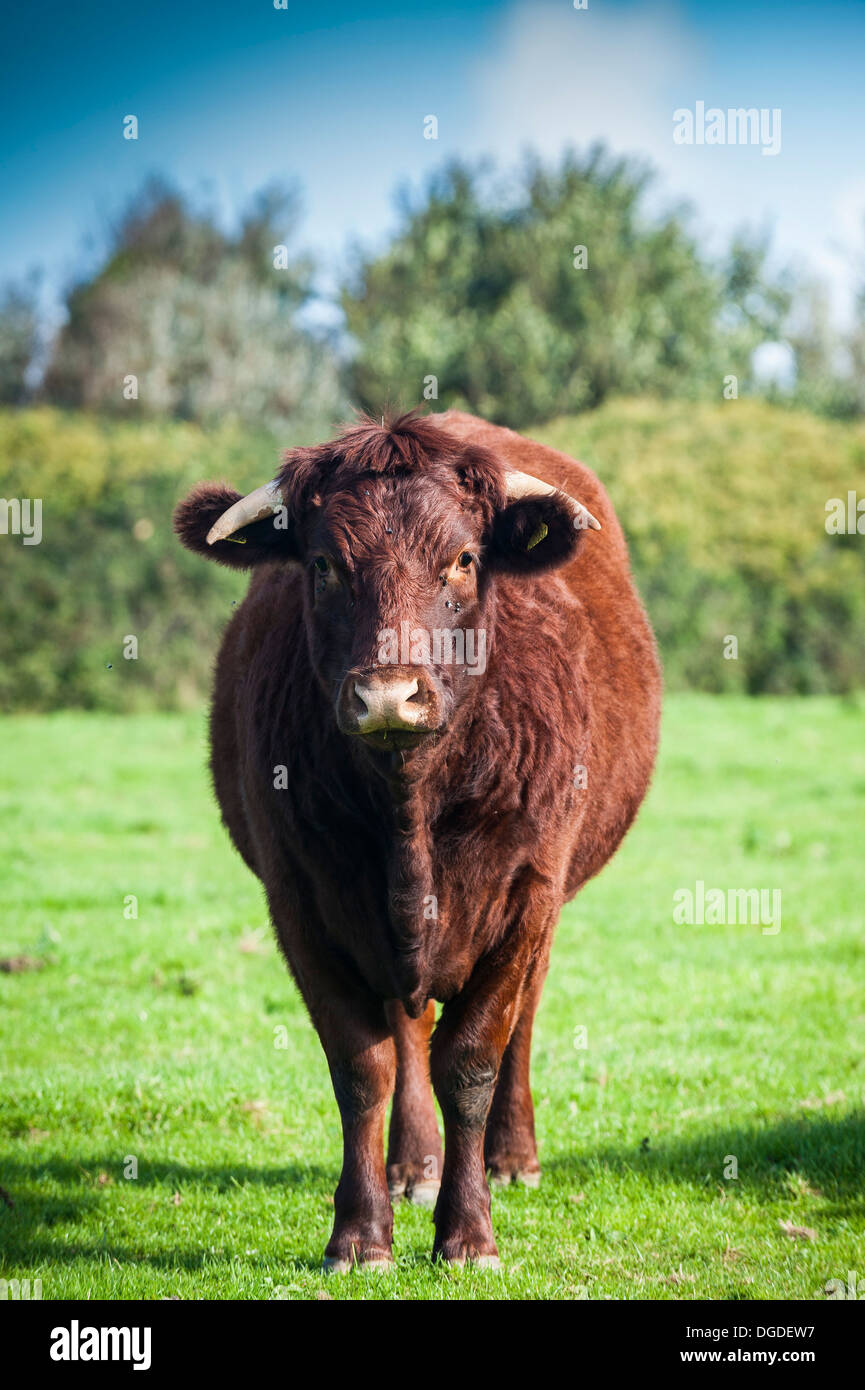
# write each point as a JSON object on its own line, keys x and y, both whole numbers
{"x": 466, "y": 1055}
{"x": 362, "y": 1060}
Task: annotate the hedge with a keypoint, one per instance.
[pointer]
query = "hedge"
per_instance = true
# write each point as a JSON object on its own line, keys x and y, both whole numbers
{"x": 724, "y": 508}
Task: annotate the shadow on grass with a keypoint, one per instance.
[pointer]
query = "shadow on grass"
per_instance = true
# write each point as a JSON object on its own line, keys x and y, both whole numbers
{"x": 74, "y": 1171}
{"x": 32, "y": 1185}
{"x": 828, "y": 1154}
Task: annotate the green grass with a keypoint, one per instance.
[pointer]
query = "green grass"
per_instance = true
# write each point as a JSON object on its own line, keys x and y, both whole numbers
{"x": 155, "y": 1037}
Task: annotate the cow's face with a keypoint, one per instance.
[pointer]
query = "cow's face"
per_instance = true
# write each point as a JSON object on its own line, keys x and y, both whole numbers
{"x": 399, "y": 535}
{"x": 398, "y": 605}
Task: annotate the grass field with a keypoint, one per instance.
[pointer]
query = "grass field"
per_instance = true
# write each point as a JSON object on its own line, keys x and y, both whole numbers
{"x": 710, "y": 1048}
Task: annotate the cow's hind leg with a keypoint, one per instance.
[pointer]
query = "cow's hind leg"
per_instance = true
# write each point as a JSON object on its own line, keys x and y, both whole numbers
{"x": 510, "y": 1150}
{"x": 414, "y": 1154}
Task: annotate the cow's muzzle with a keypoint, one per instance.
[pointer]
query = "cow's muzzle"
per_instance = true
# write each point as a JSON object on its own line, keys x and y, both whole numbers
{"x": 392, "y": 707}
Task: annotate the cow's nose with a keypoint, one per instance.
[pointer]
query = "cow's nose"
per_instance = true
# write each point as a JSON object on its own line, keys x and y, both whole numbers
{"x": 402, "y": 700}
{"x": 387, "y": 705}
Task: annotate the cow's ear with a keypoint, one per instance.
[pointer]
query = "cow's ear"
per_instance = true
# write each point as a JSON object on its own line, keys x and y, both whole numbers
{"x": 534, "y": 534}
{"x": 272, "y": 538}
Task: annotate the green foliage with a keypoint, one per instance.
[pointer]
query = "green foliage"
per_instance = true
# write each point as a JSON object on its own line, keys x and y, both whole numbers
{"x": 703, "y": 1042}
{"x": 204, "y": 322}
{"x": 724, "y": 509}
{"x": 482, "y": 293}
{"x": 19, "y": 338}
{"x": 830, "y": 362}
{"x": 109, "y": 565}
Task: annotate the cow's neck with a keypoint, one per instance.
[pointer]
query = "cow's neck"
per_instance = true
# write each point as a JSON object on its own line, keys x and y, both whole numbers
{"x": 415, "y": 788}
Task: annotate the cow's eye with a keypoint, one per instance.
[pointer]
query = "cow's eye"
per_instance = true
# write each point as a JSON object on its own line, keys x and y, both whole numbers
{"x": 320, "y": 564}
{"x": 465, "y": 560}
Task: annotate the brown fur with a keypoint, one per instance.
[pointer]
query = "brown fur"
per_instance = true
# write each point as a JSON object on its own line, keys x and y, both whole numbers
{"x": 479, "y": 819}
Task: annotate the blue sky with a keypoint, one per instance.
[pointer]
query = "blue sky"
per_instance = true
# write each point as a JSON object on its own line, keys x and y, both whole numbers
{"x": 232, "y": 95}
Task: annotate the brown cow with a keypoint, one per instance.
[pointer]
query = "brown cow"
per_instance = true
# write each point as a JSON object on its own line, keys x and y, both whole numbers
{"x": 435, "y": 716}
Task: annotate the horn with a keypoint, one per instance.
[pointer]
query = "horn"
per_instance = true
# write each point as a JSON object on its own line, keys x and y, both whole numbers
{"x": 519, "y": 486}
{"x": 264, "y": 501}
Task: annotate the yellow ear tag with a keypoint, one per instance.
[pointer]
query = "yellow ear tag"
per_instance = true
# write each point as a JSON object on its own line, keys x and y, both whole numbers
{"x": 238, "y": 540}
{"x": 542, "y": 531}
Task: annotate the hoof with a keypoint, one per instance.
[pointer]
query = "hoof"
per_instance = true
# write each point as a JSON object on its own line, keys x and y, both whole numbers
{"x": 502, "y": 1175}
{"x": 477, "y": 1249}
{"x": 475, "y": 1261}
{"x": 412, "y": 1182}
{"x": 338, "y": 1264}
{"x": 424, "y": 1194}
{"x": 421, "y": 1192}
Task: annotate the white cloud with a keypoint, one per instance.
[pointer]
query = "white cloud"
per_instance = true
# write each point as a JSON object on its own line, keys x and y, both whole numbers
{"x": 840, "y": 259}
{"x": 559, "y": 76}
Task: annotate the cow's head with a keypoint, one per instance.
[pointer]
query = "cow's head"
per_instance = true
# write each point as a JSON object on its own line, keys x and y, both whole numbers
{"x": 400, "y": 532}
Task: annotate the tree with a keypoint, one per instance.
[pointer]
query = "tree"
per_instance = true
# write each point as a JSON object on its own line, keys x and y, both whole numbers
{"x": 548, "y": 299}
{"x": 19, "y": 339}
{"x": 830, "y": 360}
{"x": 186, "y": 320}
